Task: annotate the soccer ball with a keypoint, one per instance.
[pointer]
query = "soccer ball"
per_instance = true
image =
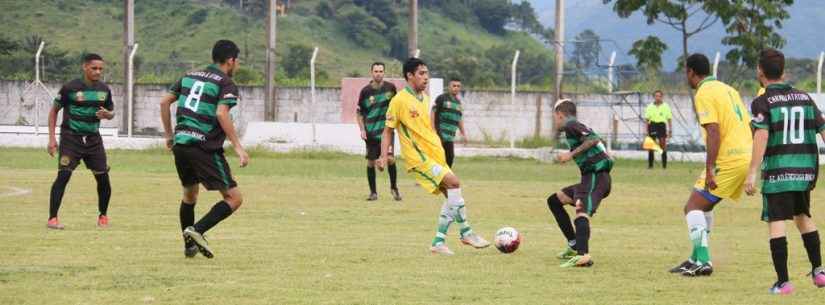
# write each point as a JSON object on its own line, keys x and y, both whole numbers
{"x": 507, "y": 240}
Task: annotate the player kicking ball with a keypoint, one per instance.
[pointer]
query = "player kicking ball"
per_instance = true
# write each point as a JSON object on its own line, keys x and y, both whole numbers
{"x": 786, "y": 122}
{"x": 409, "y": 112}
{"x": 589, "y": 153}
{"x": 724, "y": 120}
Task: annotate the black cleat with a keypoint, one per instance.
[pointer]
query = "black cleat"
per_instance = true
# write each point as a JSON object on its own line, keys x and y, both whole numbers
{"x": 372, "y": 197}
{"x": 682, "y": 267}
{"x": 199, "y": 241}
{"x": 698, "y": 270}
{"x": 395, "y": 194}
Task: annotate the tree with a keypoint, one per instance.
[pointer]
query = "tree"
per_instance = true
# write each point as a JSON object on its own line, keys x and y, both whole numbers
{"x": 677, "y": 14}
{"x": 648, "y": 53}
{"x": 524, "y": 16}
{"x": 7, "y": 46}
{"x": 587, "y": 49}
{"x": 752, "y": 29}
{"x": 493, "y": 14}
{"x": 296, "y": 61}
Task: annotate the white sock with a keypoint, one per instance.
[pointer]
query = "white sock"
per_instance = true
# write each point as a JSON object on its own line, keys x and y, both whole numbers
{"x": 709, "y": 220}
{"x": 696, "y": 218}
{"x": 459, "y": 213}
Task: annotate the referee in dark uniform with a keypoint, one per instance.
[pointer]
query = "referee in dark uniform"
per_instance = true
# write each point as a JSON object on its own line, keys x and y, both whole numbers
{"x": 373, "y": 102}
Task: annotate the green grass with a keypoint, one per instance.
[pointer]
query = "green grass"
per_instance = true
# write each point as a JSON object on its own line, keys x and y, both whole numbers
{"x": 306, "y": 236}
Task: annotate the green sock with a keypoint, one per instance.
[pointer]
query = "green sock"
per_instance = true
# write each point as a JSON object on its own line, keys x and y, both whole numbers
{"x": 461, "y": 219}
{"x": 444, "y": 220}
{"x": 699, "y": 238}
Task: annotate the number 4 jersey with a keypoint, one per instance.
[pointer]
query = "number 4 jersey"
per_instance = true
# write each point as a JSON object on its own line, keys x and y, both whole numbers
{"x": 199, "y": 93}
{"x": 793, "y": 121}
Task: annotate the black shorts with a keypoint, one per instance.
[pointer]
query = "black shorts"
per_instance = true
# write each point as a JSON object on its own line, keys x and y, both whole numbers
{"x": 784, "y": 206}
{"x": 657, "y": 130}
{"x": 196, "y": 165}
{"x": 374, "y": 148}
{"x": 74, "y": 148}
{"x": 591, "y": 190}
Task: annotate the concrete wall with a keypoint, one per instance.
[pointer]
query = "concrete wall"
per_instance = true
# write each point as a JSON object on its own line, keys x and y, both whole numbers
{"x": 488, "y": 114}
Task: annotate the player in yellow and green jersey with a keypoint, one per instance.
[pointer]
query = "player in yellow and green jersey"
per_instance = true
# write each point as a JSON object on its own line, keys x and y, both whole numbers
{"x": 658, "y": 119}
{"x": 725, "y": 128}
{"x": 84, "y": 103}
{"x": 409, "y": 113}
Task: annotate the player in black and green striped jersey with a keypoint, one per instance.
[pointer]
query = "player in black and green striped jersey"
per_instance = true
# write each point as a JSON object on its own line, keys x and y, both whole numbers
{"x": 587, "y": 149}
{"x": 373, "y": 101}
{"x": 84, "y": 103}
{"x": 447, "y": 116}
{"x": 786, "y": 122}
{"x": 204, "y": 99}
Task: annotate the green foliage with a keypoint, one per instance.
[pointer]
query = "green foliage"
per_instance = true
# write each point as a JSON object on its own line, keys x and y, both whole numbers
{"x": 648, "y": 53}
{"x": 492, "y": 14}
{"x": 197, "y": 18}
{"x": 586, "y": 53}
{"x": 296, "y": 61}
{"x": 753, "y": 28}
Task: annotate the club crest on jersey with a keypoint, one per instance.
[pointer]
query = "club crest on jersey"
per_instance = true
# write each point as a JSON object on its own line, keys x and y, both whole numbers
{"x": 413, "y": 113}
{"x": 372, "y": 100}
{"x": 80, "y": 97}
{"x": 436, "y": 170}
{"x": 759, "y": 118}
{"x": 101, "y": 96}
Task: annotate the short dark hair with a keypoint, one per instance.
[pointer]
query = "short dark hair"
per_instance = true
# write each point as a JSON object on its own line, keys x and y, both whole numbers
{"x": 224, "y": 50}
{"x": 455, "y": 79}
{"x": 658, "y": 91}
{"x": 90, "y": 57}
{"x": 699, "y": 63}
{"x": 377, "y": 63}
{"x": 566, "y": 106}
{"x": 411, "y": 65}
{"x": 772, "y": 63}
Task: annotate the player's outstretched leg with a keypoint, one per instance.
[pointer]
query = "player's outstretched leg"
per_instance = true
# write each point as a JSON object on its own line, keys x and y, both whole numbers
{"x": 699, "y": 263}
{"x": 104, "y": 193}
{"x": 810, "y": 238}
{"x": 556, "y": 204}
{"x": 456, "y": 204}
{"x": 445, "y": 218}
{"x": 56, "y": 198}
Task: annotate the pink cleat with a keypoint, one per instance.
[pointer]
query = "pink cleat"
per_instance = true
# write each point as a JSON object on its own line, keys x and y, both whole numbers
{"x": 54, "y": 224}
{"x": 819, "y": 277}
{"x": 782, "y": 288}
{"x": 102, "y": 221}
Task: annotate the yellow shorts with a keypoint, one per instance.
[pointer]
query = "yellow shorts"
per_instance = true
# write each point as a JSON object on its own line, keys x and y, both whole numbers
{"x": 429, "y": 175}
{"x": 730, "y": 181}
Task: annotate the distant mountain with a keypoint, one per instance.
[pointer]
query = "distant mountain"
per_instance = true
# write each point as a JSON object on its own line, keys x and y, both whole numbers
{"x": 803, "y": 31}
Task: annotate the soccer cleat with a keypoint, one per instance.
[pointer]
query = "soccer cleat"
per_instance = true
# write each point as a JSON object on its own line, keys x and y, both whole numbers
{"x": 818, "y": 276}
{"x": 54, "y": 224}
{"x": 682, "y": 267}
{"x": 698, "y": 270}
{"x": 102, "y": 221}
{"x": 474, "y": 240}
{"x": 199, "y": 241}
{"x": 781, "y": 288}
{"x": 567, "y": 254}
{"x": 372, "y": 197}
{"x": 578, "y": 261}
{"x": 442, "y": 249}
{"x": 395, "y": 194}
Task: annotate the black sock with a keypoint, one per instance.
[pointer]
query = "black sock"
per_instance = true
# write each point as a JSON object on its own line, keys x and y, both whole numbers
{"x": 664, "y": 159}
{"x": 393, "y": 176}
{"x": 58, "y": 188}
{"x": 104, "y": 192}
{"x": 779, "y": 254}
{"x": 219, "y": 212}
{"x": 649, "y": 159}
{"x": 371, "y": 178}
{"x": 811, "y": 241}
{"x": 562, "y": 219}
{"x": 187, "y": 215}
{"x": 582, "y": 235}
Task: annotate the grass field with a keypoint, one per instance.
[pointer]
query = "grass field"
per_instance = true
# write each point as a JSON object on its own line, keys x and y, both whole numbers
{"x": 306, "y": 236}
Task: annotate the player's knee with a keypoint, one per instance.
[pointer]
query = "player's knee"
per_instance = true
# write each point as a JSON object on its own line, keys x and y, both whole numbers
{"x": 563, "y": 198}
{"x": 370, "y": 163}
{"x": 63, "y": 177}
{"x": 451, "y": 182}
{"x": 234, "y": 198}
{"x": 190, "y": 193}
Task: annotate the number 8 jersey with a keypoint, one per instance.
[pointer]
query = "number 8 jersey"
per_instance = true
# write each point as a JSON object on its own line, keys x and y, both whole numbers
{"x": 793, "y": 122}
{"x": 198, "y": 95}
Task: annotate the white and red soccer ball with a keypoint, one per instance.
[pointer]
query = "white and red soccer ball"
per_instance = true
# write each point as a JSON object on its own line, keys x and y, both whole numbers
{"x": 507, "y": 240}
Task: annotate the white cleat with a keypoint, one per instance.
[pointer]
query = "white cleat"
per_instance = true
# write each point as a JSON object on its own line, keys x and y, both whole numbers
{"x": 476, "y": 241}
{"x": 441, "y": 248}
